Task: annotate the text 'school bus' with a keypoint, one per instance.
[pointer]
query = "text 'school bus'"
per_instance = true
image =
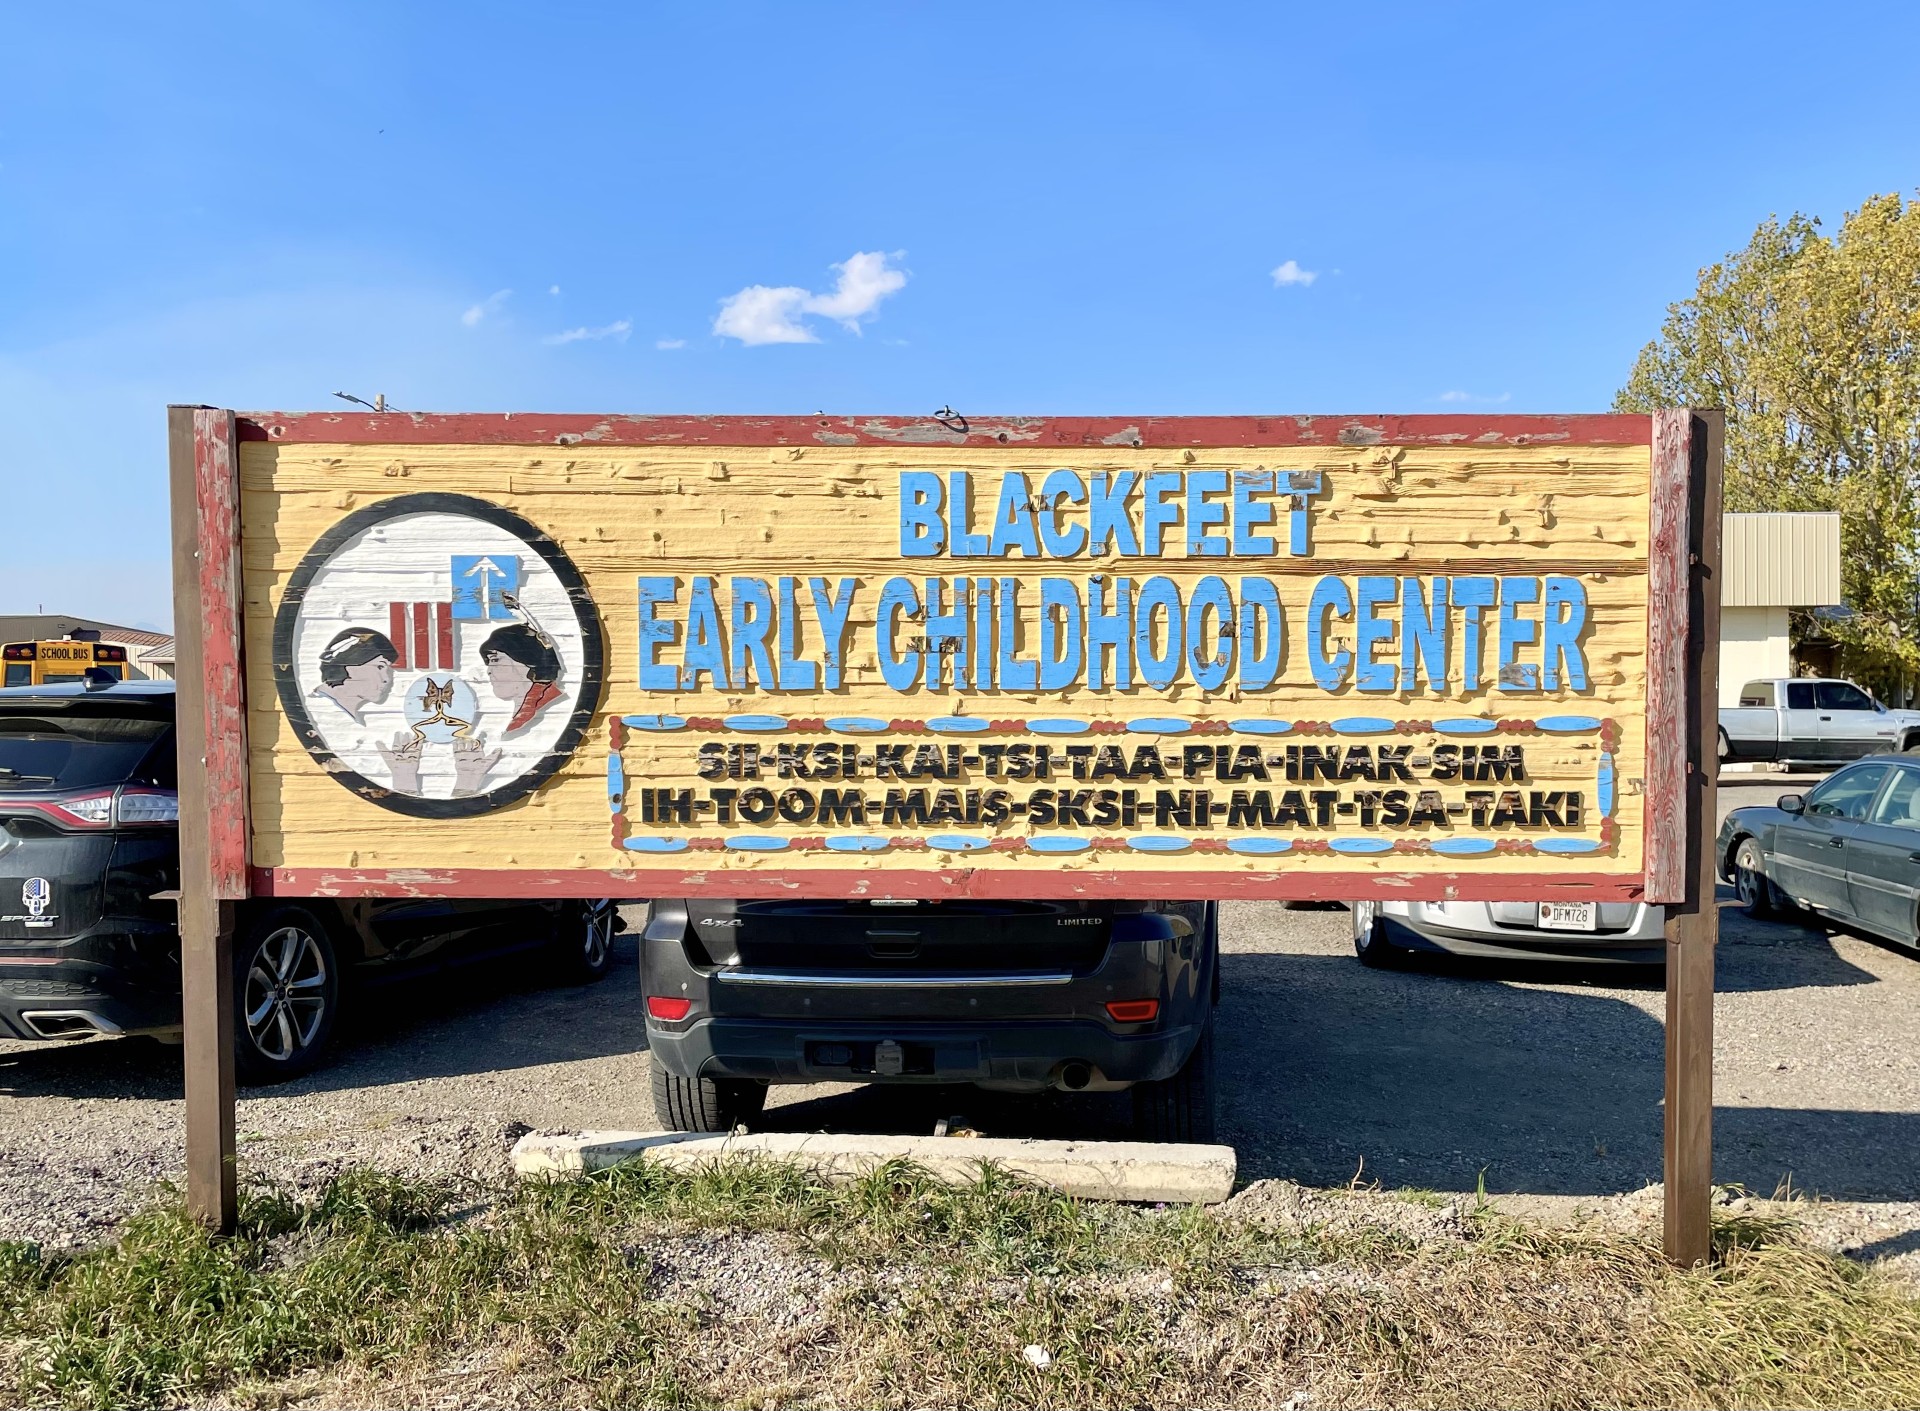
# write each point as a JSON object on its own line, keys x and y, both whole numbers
{"x": 41, "y": 663}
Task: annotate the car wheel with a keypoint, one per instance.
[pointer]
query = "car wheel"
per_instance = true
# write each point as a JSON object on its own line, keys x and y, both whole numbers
{"x": 1370, "y": 941}
{"x": 704, "y": 1104}
{"x": 286, "y": 995}
{"x": 1180, "y": 1108}
{"x": 1750, "y": 881}
{"x": 583, "y": 941}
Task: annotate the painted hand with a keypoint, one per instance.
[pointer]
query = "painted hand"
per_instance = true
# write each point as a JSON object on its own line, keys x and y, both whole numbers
{"x": 471, "y": 761}
{"x": 403, "y": 760}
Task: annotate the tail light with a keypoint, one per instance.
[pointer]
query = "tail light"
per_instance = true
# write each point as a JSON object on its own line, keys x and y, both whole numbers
{"x": 668, "y": 1007}
{"x": 132, "y": 807}
{"x": 1133, "y": 1011}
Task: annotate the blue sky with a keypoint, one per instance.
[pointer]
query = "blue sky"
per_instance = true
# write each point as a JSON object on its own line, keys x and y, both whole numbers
{"x": 1029, "y": 208}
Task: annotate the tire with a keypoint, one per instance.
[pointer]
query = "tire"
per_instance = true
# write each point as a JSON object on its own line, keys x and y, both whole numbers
{"x": 286, "y": 995}
{"x": 1910, "y": 745}
{"x": 1750, "y": 880}
{"x": 1370, "y": 941}
{"x": 1180, "y": 1108}
{"x": 582, "y": 949}
{"x": 704, "y": 1104}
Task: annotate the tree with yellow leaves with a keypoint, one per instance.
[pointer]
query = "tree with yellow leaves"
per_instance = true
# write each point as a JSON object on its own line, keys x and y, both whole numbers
{"x": 1812, "y": 345}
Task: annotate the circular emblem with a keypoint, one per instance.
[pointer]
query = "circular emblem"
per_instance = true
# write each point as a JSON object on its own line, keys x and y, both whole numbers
{"x": 438, "y": 655}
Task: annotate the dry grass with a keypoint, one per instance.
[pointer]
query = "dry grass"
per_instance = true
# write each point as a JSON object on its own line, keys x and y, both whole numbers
{"x": 756, "y": 1286}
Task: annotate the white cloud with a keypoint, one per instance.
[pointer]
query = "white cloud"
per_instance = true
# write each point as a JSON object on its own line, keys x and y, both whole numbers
{"x": 617, "y": 330}
{"x": 486, "y": 308}
{"x": 667, "y": 345}
{"x": 760, "y": 314}
{"x": 763, "y": 313}
{"x": 553, "y": 289}
{"x": 1291, "y": 273}
{"x": 1458, "y": 396}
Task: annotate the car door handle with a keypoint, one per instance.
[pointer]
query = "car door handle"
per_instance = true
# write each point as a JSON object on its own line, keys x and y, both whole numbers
{"x": 1913, "y": 857}
{"x": 1836, "y": 842}
{"x": 1826, "y": 719}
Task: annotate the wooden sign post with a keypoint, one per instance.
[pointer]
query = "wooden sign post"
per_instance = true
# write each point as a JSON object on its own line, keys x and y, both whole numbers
{"x": 1259, "y": 657}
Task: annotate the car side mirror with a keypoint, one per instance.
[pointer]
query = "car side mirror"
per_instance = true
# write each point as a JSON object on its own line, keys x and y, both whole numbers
{"x": 1791, "y": 803}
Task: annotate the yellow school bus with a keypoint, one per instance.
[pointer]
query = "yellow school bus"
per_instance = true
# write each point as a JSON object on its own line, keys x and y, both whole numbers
{"x": 38, "y": 663}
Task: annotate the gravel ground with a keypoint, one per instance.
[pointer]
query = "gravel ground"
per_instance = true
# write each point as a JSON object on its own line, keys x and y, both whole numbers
{"x": 1543, "y": 1081}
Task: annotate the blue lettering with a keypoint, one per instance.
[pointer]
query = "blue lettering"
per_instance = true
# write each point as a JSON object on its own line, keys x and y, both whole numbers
{"x": 1013, "y": 526}
{"x": 706, "y": 642}
{"x": 1370, "y": 631}
{"x": 656, "y": 675}
{"x": 923, "y": 533}
{"x": 832, "y": 612}
{"x": 897, "y": 600}
{"x": 1250, "y": 514}
{"x": 1210, "y": 647}
{"x": 1262, "y": 633}
{"x": 1423, "y": 635}
{"x": 1560, "y": 646}
{"x": 1516, "y": 632}
{"x": 1202, "y": 512}
{"x": 1471, "y": 595}
{"x": 749, "y": 620}
{"x": 1107, "y": 523}
{"x": 1060, "y": 616}
{"x": 1061, "y": 488}
{"x": 1329, "y": 594}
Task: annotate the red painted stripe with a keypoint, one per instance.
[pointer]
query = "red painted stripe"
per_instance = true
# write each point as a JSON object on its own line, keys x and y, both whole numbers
{"x": 443, "y": 629}
{"x": 956, "y": 883}
{"x": 422, "y": 644}
{"x": 540, "y": 429}
{"x": 217, "y": 492}
{"x": 397, "y": 622}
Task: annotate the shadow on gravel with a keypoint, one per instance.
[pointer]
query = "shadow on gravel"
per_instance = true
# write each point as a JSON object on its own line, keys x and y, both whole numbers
{"x": 487, "y": 1016}
{"x": 1430, "y": 1076}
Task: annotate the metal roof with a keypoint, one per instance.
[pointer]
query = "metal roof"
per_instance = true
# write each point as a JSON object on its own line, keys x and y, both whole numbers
{"x": 1780, "y": 560}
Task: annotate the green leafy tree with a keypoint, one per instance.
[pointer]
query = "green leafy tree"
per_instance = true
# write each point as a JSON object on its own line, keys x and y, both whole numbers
{"x": 1812, "y": 345}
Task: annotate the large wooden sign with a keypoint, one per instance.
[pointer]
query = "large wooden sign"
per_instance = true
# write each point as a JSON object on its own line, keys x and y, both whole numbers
{"x": 1283, "y": 657}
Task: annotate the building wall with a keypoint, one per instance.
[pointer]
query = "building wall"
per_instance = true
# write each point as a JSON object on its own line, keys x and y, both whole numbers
{"x": 1753, "y": 644}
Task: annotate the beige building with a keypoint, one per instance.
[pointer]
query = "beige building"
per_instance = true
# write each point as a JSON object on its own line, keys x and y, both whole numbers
{"x": 1774, "y": 563}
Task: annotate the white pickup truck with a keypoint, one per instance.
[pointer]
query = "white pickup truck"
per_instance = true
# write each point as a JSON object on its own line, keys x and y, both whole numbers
{"x": 1813, "y": 719}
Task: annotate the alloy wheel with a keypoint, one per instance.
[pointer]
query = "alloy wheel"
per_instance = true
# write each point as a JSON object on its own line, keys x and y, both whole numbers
{"x": 286, "y": 993}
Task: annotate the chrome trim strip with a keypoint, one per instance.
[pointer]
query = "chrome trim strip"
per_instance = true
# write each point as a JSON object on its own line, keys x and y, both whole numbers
{"x": 891, "y": 980}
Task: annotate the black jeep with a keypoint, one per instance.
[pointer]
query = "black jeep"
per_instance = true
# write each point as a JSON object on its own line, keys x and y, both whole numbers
{"x": 1021, "y": 996}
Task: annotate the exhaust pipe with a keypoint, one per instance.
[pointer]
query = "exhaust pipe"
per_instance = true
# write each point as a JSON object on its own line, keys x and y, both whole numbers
{"x": 67, "y": 1023}
{"x": 1075, "y": 1076}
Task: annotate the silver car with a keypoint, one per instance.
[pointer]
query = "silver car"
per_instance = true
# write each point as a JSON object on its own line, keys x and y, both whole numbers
{"x": 1617, "y": 933}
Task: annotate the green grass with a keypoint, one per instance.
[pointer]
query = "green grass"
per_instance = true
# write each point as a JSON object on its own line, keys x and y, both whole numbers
{"x": 896, "y": 1290}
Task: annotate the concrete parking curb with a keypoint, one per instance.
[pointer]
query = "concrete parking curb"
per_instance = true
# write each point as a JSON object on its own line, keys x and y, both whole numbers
{"x": 1187, "y": 1174}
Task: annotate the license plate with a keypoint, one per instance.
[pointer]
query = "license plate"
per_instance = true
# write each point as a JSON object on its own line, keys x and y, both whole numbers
{"x": 1569, "y": 915}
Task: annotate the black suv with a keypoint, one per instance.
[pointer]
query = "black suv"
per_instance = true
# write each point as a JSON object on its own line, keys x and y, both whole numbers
{"x": 89, "y": 860}
{"x": 1021, "y": 996}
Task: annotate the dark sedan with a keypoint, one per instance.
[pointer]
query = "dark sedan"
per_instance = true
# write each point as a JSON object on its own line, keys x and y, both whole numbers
{"x": 1849, "y": 850}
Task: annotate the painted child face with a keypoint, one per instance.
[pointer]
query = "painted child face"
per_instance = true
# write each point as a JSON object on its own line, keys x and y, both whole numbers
{"x": 370, "y": 682}
{"x": 509, "y": 679}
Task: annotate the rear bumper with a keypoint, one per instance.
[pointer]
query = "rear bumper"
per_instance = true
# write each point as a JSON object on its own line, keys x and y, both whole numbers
{"x": 1643, "y": 942}
{"x": 113, "y": 983}
{"x": 1017, "y": 1029}
{"x": 1025, "y": 1056}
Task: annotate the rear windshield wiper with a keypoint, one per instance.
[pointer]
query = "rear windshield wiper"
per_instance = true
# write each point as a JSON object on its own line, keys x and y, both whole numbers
{"x": 6, "y": 773}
